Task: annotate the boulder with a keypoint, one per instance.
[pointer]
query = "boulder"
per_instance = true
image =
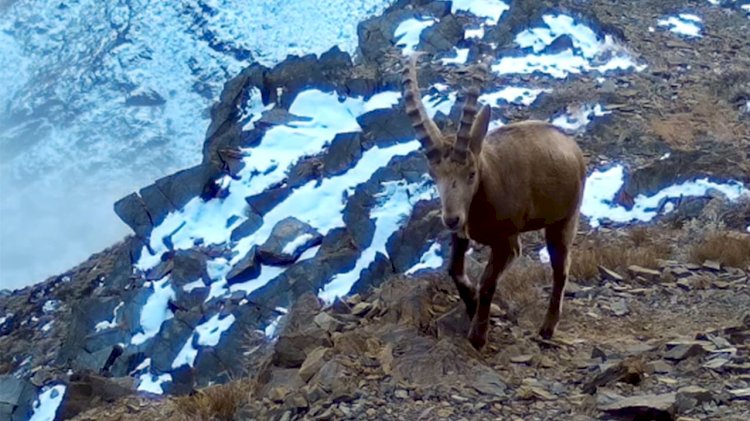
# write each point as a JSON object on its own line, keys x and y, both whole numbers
{"x": 288, "y": 240}
{"x": 132, "y": 211}
{"x": 245, "y": 269}
{"x": 386, "y": 126}
{"x": 345, "y": 150}
{"x": 247, "y": 227}
{"x": 188, "y": 266}
{"x": 16, "y": 398}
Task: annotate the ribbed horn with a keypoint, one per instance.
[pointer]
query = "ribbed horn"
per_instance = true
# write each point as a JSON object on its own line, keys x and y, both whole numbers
{"x": 428, "y": 133}
{"x": 468, "y": 114}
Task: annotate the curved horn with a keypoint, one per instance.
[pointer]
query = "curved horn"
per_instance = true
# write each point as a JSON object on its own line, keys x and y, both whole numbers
{"x": 428, "y": 133}
{"x": 468, "y": 114}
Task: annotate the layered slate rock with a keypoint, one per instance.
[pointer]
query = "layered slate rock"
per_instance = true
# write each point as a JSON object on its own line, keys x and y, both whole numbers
{"x": 288, "y": 240}
{"x": 16, "y": 398}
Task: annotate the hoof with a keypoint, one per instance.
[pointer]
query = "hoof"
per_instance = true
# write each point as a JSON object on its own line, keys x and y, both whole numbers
{"x": 546, "y": 332}
{"x": 478, "y": 334}
{"x": 478, "y": 341}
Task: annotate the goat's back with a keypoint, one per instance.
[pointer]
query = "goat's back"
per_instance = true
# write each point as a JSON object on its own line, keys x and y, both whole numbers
{"x": 538, "y": 171}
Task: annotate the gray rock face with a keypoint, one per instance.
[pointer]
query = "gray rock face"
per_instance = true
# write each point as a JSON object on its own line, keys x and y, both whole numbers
{"x": 16, "y": 398}
{"x": 288, "y": 240}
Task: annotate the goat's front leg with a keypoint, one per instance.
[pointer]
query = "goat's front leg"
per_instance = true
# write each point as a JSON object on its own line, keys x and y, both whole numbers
{"x": 465, "y": 287}
{"x": 502, "y": 255}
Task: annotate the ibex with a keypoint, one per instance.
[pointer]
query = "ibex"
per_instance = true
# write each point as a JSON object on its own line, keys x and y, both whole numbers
{"x": 493, "y": 186}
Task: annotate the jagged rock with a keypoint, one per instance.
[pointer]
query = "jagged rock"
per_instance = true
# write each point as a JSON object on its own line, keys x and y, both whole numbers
{"x": 651, "y": 407}
{"x": 442, "y": 36}
{"x": 628, "y": 371}
{"x": 682, "y": 351}
{"x": 245, "y": 269}
{"x": 87, "y": 390}
{"x": 288, "y": 240}
{"x": 335, "y": 379}
{"x": 263, "y": 202}
{"x": 314, "y": 362}
{"x": 281, "y": 383}
{"x": 740, "y": 393}
{"x": 188, "y": 266}
{"x": 132, "y": 211}
{"x": 16, "y": 398}
{"x": 659, "y": 366}
{"x": 247, "y": 227}
{"x": 327, "y": 322}
{"x": 712, "y": 265}
{"x": 345, "y": 149}
{"x": 691, "y": 396}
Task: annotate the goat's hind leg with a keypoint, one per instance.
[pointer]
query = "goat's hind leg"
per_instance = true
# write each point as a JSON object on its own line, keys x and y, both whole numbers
{"x": 466, "y": 289}
{"x": 559, "y": 242}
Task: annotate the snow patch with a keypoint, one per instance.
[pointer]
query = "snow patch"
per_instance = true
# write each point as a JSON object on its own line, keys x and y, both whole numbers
{"x": 579, "y": 118}
{"x": 153, "y": 383}
{"x": 46, "y": 405}
{"x": 190, "y": 286}
{"x": 207, "y": 333}
{"x": 270, "y": 330}
{"x": 470, "y": 33}
{"x": 491, "y": 10}
{"x": 47, "y": 326}
{"x": 397, "y": 199}
{"x": 431, "y": 259}
{"x": 513, "y": 95}
{"x": 292, "y": 246}
{"x": 591, "y": 53}
{"x": 442, "y": 100}
{"x": 407, "y": 33}
{"x": 601, "y": 187}
{"x": 684, "y": 24}
{"x": 156, "y": 311}
{"x": 461, "y": 55}
{"x": 109, "y": 324}
{"x": 544, "y": 255}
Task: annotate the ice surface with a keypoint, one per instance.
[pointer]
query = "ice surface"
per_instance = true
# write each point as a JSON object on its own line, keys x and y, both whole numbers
{"x": 513, "y": 94}
{"x": 45, "y": 407}
{"x": 431, "y": 259}
{"x": 292, "y": 246}
{"x": 155, "y": 311}
{"x": 602, "y": 185}
{"x": 461, "y": 55}
{"x": 489, "y": 9}
{"x": 152, "y": 383}
{"x": 407, "y": 33}
{"x": 109, "y": 324}
{"x": 579, "y": 118}
{"x": 683, "y": 24}
{"x": 396, "y": 201}
{"x": 592, "y": 53}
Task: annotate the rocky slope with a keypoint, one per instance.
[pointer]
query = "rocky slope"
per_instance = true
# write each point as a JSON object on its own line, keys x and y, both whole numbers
{"x": 223, "y": 250}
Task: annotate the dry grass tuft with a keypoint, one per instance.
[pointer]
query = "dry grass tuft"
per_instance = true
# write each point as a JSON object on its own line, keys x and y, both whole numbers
{"x": 642, "y": 247}
{"x": 730, "y": 249}
{"x": 518, "y": 286}
{"x": 214, "y": 403}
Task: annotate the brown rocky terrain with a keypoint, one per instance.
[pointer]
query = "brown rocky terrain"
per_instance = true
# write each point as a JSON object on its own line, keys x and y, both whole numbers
{"x": 655, "y": 324}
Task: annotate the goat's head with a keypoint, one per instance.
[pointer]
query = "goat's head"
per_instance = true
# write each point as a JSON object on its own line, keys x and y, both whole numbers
{"x": 453, "y": 160}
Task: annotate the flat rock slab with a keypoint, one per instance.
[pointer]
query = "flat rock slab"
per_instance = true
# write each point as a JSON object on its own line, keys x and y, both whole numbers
{"x": 646, "y": 407}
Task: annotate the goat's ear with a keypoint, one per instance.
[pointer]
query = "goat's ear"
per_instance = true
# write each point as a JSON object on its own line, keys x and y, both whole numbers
{"x": 479, "y": 129}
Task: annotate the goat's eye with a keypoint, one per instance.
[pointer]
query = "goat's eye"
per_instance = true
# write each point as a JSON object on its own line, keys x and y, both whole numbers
{"x": 472, "y": 175}
{"x": 453, "y": 184}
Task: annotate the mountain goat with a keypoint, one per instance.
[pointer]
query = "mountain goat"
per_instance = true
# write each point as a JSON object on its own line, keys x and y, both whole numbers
{"x": 493, "y": 186}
